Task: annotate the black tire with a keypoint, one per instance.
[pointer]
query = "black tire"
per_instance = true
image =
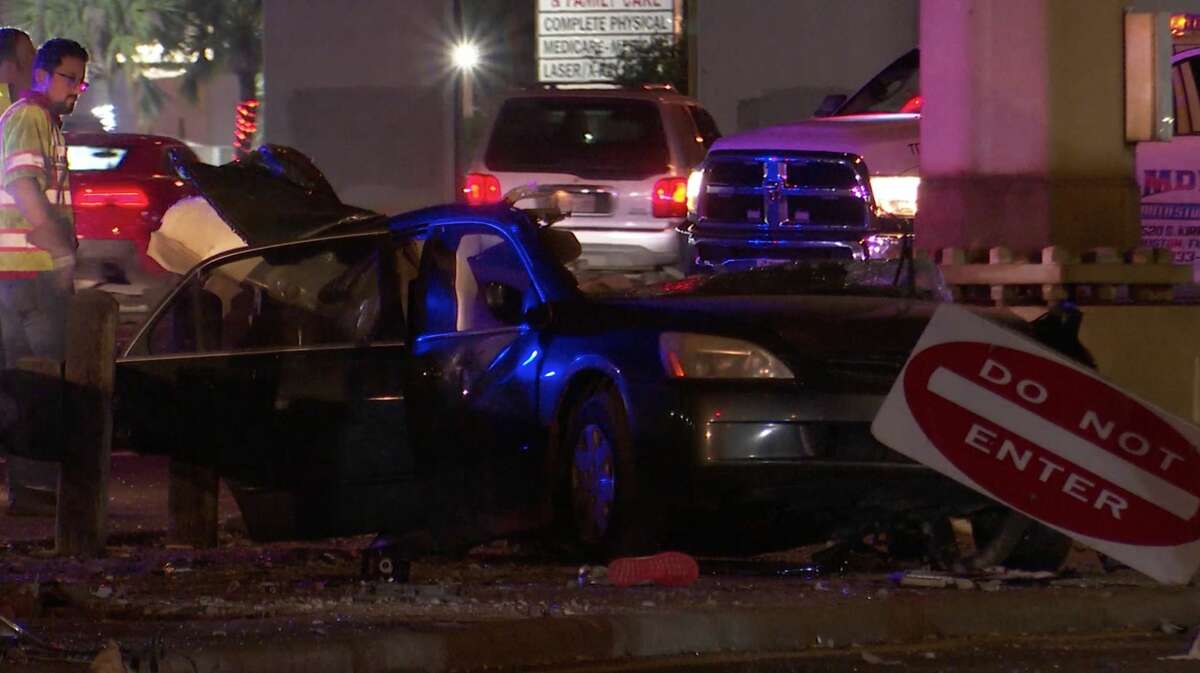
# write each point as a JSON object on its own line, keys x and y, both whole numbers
{"x": 1040, "y": 548}
{"x": 600, "y": 479}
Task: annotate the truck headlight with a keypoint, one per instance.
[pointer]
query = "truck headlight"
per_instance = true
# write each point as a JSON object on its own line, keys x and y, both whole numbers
{"x": 695, "y": 178}
{"x": 701, "y": 356}
{"x": 896, "y": 195}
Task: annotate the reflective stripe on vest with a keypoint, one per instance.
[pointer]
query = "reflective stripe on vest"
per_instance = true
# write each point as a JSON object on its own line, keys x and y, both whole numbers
{"x": 52, "y": 195}
{"x": 24, "y": 160}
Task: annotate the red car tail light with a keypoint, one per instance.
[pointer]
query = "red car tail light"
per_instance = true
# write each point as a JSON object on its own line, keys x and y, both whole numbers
{"x": 481, "y": 189}
{"x": 120, "y": 196}
{"x": 669, "y": 198}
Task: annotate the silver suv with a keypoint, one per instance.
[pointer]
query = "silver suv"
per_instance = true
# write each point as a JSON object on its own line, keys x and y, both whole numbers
{"x": 622, "y": 154}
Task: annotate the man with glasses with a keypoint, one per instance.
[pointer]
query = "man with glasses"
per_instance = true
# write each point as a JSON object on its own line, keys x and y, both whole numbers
{"x": 37, "y": 236}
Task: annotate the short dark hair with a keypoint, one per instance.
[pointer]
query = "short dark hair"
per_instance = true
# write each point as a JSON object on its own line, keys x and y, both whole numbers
{"x": 9, "y": 39}
{"x": 52, "y": 52}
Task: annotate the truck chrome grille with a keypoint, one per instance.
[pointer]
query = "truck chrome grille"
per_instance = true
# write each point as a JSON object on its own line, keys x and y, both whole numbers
{"x": 785, "y": 191}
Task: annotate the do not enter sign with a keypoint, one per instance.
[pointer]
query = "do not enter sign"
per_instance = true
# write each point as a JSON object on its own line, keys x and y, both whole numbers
{"x": 1014, "y": 420}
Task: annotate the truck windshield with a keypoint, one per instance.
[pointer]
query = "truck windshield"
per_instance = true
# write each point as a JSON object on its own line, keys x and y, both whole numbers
{"x": 893, "y": 90}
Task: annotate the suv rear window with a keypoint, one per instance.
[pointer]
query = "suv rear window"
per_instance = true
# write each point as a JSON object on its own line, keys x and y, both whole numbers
{"x": 597, "y": 137}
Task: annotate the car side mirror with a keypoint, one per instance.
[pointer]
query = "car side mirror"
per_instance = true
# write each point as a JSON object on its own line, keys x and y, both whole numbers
{"x": 504, "y": 301}
{"x": 829, "y": 105}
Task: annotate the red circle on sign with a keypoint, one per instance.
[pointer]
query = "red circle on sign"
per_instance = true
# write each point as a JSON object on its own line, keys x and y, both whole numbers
{"x": 1150, "y": 494}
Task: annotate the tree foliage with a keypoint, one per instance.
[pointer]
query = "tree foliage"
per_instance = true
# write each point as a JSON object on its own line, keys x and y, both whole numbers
{"x": 227, "y": 37}
{"x": 107, "y": 28}
{"x": 661, "y": 60}
{"x": 214, "y": 35}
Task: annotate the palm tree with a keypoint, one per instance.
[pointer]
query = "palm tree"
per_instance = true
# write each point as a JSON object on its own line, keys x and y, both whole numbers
{"x": 227, "y": 36}
{"x": 111, "y": 30}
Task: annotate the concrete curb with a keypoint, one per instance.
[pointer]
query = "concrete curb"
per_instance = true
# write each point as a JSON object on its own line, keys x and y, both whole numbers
{"x": 898, "y": 618}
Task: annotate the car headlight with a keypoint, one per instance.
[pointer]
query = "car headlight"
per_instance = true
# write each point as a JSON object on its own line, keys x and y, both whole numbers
{"x": 695, "y": 178}
{"x": 701, "y": 356}
{"x": 896, "y": 195}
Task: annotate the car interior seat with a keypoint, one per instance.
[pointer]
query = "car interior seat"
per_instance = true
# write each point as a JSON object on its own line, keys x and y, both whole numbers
{"x": 432, "y": 301}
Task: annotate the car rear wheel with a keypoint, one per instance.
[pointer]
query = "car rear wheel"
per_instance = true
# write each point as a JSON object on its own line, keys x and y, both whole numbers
{"x": 1036, "y": 547}
{"x": 600, "y": 476}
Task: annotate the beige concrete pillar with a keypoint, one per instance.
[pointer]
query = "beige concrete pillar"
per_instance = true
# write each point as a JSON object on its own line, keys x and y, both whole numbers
{"x": 1022, "y": 129}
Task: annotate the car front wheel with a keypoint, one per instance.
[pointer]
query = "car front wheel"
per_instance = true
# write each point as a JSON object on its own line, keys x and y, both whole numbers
{"x": 601, "y": 481}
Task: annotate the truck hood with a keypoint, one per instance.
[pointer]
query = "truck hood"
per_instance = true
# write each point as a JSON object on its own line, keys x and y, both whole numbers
{"x": 888, "y": 143}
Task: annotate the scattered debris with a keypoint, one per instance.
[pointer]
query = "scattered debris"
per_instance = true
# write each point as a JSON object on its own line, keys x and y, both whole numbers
{"x": 591, "y": 575}
{"x": 108, "y": 660}
{"x": 1170, "y": 628}
{"x": 925, "y": 580}
{"x": 1192, "y": 654}
{"x": 878, "y": 660}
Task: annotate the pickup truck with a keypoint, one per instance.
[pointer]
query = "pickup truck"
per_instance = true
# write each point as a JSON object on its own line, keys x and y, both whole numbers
{"x": 844, "y": 184}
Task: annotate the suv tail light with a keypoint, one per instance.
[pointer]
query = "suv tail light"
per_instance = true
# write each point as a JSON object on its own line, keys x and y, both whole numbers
{"x": 481, "y": 188}
{"x": 669, "y": 198}
{"x": 122, "y": 196}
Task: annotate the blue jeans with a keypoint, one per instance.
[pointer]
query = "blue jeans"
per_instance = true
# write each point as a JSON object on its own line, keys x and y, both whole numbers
{"x": 33, "y": 318}
{"x": 33, "y": 323}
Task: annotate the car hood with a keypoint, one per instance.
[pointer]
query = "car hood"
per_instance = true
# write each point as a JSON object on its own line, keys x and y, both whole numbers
{"x": 274, "y": 194}
{"x": 888, "y": 143}
{"x": 837, "y": 341}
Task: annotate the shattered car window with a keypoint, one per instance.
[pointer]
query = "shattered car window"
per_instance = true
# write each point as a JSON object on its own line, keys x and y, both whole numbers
{"x": 294, "y": 296}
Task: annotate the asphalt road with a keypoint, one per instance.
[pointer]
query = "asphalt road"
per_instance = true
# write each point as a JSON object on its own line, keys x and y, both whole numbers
{"x": 1103, "y": 653}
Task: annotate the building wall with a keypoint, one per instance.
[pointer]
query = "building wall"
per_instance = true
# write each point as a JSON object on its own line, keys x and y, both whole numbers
{"x": 363, "y": 88}
{"x": 776, "y": 63}
{"x": 207, "y": 122}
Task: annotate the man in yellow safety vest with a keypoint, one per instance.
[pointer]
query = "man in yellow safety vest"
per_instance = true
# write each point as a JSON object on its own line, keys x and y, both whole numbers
{"x": 37, "y": 233}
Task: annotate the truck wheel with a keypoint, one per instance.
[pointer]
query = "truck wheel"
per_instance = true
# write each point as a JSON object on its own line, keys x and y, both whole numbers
{"x": 601, "y": 483}
{"x": 1037, "y": 547}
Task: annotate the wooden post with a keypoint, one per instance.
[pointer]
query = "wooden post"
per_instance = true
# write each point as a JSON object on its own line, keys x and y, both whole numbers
{"x": 81, "y": 526}
{"x": 192, "y": 505}
{"x": 33, "y": 479}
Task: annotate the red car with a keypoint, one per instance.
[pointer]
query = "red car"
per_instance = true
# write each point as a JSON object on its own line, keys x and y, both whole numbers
{"x": 121, "y": 184}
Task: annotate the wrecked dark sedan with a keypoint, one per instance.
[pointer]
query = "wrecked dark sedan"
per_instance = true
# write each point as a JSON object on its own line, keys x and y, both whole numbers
{"x": 447, "y": 371}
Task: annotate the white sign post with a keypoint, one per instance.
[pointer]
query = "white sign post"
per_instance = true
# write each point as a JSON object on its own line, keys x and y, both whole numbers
{"x": 1016, "y": 421}
{"x": 579, "y": 40}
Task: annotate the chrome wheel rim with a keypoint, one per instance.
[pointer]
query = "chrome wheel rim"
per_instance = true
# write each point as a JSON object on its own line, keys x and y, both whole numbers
{"x": 593, "y": 483}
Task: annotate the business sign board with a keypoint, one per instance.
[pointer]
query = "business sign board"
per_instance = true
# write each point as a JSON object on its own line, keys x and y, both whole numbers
{"x": 1014, "y": 420}
{"x": 579, "y": 40}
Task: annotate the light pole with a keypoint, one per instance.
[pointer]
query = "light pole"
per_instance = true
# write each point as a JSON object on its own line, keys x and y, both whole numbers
{"x": 465, "y": 57}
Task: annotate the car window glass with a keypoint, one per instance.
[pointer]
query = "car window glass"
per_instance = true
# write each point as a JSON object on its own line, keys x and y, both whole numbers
{"x": 706, "y": 126}
{"x": 294, "y": 296}
{"x": 94, "y": 158}
{"x": 892, "y": 90}
{"x": 600, "y": 137}
{"x": 456, "y": 270}
{"x": 1185, "y": 84}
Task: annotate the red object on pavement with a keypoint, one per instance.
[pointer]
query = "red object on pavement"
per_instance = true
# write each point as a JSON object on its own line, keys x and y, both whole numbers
{"x": 668, "y": 569}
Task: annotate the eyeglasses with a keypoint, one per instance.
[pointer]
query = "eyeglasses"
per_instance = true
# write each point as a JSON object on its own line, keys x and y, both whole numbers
{"x": 74, "y": 81}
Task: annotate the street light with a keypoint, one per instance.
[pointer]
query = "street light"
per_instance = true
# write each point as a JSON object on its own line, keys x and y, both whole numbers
{"x": 465, "y": 56}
